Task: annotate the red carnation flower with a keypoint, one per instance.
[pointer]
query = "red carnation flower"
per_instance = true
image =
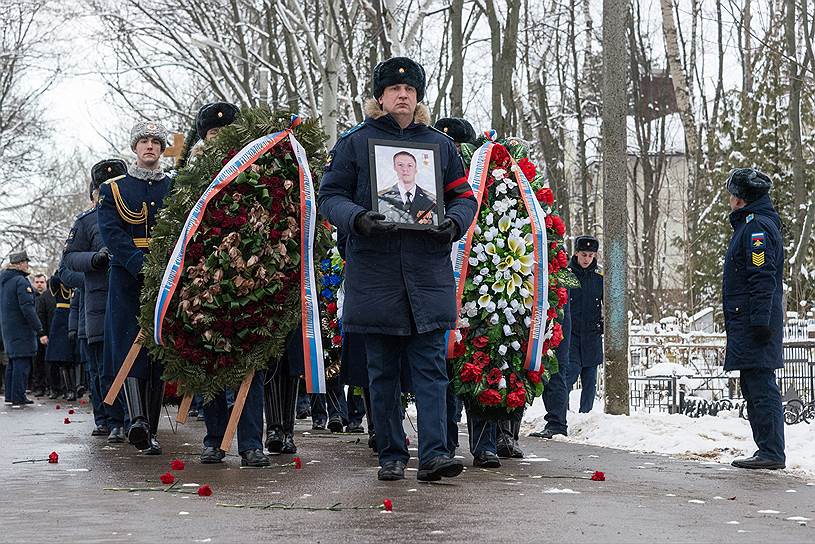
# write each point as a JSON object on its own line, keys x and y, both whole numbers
{"x": 331, "y": 308}
{"x": 205, "y": 490}
{"x": 549, "y": 222}
{"x": 66, "y": 421}
{"x": 490, "y": 397}
{"x": 480, "y": 341}
{"x": 388, "y": 504}
{"x": 545, "y": 196}
{"x": 562, "y": 296}
{"x": 562, "y": 259}
{"x": 598, "y": 476}
{"x": 470, "y": 373}
{"x": 516, "y": 399}
{"x": 551, "y": 313}
{"x": 215, "y": 231}
{"x": 553, "y": 265}
{"x": 336, "y": 340}
{"x": 500, "y": 155}
{"x": 53, "y": 458}
{"x": 71, "y": 412}
{"x": 494, "y": 376}
{"x": 481, "y": 359}
{"x": 557, "y": 334}
{"x": 177, "y": 464}
{"x": 528, "y": 168}
{"x": 57, "y": 407}
{"x": 534, "y": 376}
{"x": 459, "y": 349}
{"x": 298, "y": 463}
{"x": 558, "y": 225}
{"x": 167, "y": 478}
{"x": 83, "y": 401}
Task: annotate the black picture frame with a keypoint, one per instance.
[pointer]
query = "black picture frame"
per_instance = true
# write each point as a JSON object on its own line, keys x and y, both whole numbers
{"x": 387, "y": 197}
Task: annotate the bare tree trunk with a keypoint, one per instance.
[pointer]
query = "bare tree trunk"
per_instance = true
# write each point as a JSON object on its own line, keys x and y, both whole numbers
{"x": 583, "y": 169}
{"x": 615, "y": 207}
{"x": 457, "y": 59}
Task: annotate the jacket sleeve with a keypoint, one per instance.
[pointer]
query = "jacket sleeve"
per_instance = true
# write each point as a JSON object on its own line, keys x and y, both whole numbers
{"x": 459, "y": 201}
{"x": 25, "y": 298}
{"x": 71, "y": 278}
{"x": 73, "y": 313}
{"x": 761, "y": 267}
{"x": 338, "y": 186}
{"x": 114, "y": 235}
{"x": 78, "y": 253}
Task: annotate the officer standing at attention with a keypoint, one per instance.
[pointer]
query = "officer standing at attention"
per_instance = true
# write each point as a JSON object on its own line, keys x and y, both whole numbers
{"x": 752, "y": 293}
{"x": 126, "y": 215}
{"x": 209, "y": 121}
{"x": 86, "y": 253}
{"x": 586, "y": 308}
{"x": 400, "y": 292}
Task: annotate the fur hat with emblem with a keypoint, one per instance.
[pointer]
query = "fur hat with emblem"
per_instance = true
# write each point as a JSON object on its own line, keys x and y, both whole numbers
{"x": 748, "y": 184}
{"x": 148, "y": 129}
{"x": 460, "y": 130}
{"x": 586, "y": 243}
{"x": 214, "y": 115}
{"x": 105, "y": 170}
{"x": 399, "y": 70}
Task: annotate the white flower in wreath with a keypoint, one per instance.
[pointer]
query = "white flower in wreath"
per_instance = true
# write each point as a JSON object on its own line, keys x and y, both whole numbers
{"x": 490, "y": 219}
{"x": 527, "y": 321}
{"x": 478, "y": 279}
{"x": 477, "y": 229}
{"x": 507, "y": 330}
{"x": 482, "y": 257}
{"x": 516, "y": 345}
{"x": 458, "y": 332}
{"x": 504, "y": 223}
{"x": 464, "y": 323}
{"x": 502, "y": 384}
{"x": 502, "y": 304}
{"x": 496, "y": 259}
{"x": 502, "y": 350}
{"x": 494, "y": 319}
{"x": 472, "y": 312}
{"x": 483, "y": 300}
{"x": 513, "y": 213}
{"x": 500, "y": 243}
{"x": 473, "y": 261}
{"x": 499, "y": 173}
{"x": 483, "y": 290}
{"x": 505, "y": 365}
{"x": 490, "y": 307}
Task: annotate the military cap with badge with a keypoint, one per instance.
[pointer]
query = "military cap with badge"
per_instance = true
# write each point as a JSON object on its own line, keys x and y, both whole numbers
{"x": 460, "y": 130}
{"x": 396, "y": 71}
{"x": 214, "y": 115}
{"x": 587, "y": 243}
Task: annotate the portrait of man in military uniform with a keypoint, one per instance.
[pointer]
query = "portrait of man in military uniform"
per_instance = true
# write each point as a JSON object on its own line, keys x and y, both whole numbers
{"x": 405, "y": 184}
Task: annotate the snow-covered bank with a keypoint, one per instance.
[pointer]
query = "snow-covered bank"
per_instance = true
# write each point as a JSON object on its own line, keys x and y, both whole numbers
{"x": 720, "y": 438}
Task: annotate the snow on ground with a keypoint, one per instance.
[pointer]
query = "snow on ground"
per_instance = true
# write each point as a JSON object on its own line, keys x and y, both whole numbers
{"x": 718, "y": 438}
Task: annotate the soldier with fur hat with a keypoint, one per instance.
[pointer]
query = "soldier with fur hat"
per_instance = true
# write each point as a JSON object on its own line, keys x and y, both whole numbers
{"x": 127, "y": 213}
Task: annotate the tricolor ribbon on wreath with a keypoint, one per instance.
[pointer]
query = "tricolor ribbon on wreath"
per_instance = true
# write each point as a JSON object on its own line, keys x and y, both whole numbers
{"x": 312, "y": 340}
{"x": 479, "y": 170}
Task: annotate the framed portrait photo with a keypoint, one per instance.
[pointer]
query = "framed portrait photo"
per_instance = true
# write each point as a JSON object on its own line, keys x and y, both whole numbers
{"x": 406, "y": 183}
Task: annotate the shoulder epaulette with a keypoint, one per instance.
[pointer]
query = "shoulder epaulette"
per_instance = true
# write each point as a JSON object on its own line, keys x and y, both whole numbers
{"x": 749, "y": 218}
{"x": 598, "y": 271}
{"x": 434, "y": 129}
{"x": 351, "y": 130}
{"x": 117, "y": 178}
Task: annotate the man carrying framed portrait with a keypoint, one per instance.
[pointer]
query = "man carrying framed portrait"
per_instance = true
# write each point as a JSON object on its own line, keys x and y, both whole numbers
{"x": 396, "y": 188}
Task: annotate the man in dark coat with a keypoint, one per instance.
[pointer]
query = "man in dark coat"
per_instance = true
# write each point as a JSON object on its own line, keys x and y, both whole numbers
{"x": 39, "y": 374}
{"x": 752, "y": 292}
{"x": 85, "y": 252}
{"x": 59, "y": 351}
{"x": 46, "y": 305}
{"x": 586, "y": 308}
{"x": 126, "y": 215}
{"x": 20, "y": 327}
{"x": 400, "y": 291}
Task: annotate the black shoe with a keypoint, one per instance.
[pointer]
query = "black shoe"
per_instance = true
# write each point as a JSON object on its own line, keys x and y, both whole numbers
{"x": 372, "y": 442}
{"x": 139, "y": 434}
{"x": 54, "y": 394}
{"x": 318, "y": 426}
{"x": 192, "y": 413}
{"x": 305, "y": 414}
{"x": 504, "y": 450}
{"x": 80, "y": 391}
{"x": 392, "y": 471}
{"x": 517, "y": 452}
{"x": 335, "y": 424}
{"x": 200, "y": 417}
{"x": 288, "y": 444}
{"x": 254, "y": 458}
{"x": 486, "y": 459}
{"x": 116, "y": 436}
{"x": 274, "y": 440}
{"x": 154, "y": 449}
{"x": 441, "y": 466}
{"x": 211, "y": 456}
{"x": 756, "y": 462}
{"x": 354, "y": 428}
{"x": 547, "y": 434}
{"x": 100, "y": 430}
{"x": 28, "y": 401}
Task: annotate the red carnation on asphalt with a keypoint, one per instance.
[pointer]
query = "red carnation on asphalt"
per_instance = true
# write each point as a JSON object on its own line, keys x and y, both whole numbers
{"x": 598, "y": 476}
{"x": 53, "y": 458}
{"x": 388, "y": 504}
{"x": 57, "y": 407}
{"x": 298, "y": 463}
{"x": 66, "y": 421}
{"x": 167, "y": 478}
{"x": 205, "y": 490}
{"x": 71, "y": 412}
{"x": 177, "y": 464}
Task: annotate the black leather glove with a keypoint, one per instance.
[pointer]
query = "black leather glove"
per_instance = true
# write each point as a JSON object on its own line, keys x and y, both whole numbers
{"x": 370, "y": 223}
{"x": 761, "y": 333}
{"x": 100, "y": 259}
{"x": 446, "y": 232}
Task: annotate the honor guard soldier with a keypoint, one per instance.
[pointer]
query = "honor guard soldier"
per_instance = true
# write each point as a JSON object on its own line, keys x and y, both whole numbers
{"x": 586, "y": 309}
{"x": 126, "y": 215}
{"x": 400, "y": 291}
{"x": 85, "y": 252}
{"x": 752, "y": 293}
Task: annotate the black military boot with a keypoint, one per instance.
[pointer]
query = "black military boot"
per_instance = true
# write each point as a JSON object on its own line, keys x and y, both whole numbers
{"x": 155, "y": 402}
{"x": 274, "y": 412}
{"x": 135, "y": 394}
{"x": 80, "y": 380}
{"x": 70, "y": 385}
{"x": 504, "y": 438}
{"x": 289, "y": 405}
{"x": 517, "y": 452}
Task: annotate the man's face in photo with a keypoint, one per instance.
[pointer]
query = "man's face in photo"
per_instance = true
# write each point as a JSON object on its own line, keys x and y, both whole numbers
{"x": 405, "y": 167}
{"x": 39, "y": 284}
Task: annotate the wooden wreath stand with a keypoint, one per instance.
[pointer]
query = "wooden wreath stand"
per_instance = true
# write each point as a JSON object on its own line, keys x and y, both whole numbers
{"x": 186, "y": 402}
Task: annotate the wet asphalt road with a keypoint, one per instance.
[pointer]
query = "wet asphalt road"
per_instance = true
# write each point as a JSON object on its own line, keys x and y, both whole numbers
{"x": 646, "y": 498}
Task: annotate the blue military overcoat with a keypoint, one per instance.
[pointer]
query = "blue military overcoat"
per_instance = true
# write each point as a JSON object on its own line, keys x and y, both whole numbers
{"x": 400, "y": 282}
{"x": 18, "y": 318}
{"x": 126, "y": 215}
{"x": 59, "y": 349}
{"x": 752, "y": 287}
{"x": 586, "y": 309}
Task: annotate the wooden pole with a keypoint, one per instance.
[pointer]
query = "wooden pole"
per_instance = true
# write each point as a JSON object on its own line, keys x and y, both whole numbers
{"x": 237, "y": 409}
{"x": 184, "y": 409}
{"x": 135, "y": 349}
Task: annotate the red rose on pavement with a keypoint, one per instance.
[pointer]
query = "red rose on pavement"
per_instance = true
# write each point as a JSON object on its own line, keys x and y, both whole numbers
{"x": 388, "y": 504}
{"x": 490, "y": 397}
{"x": 298, "y": 463}
{"x": 57, "y": 407}
{"x": 494, "y": 376}
{"x": 71, "y": 412}
{"x": 66, "y": 421}
{"x": 53, "y": 457}
{"x": 470, "y": 373}
{"x": 480, "y": 341}
{"x": 205, "y": 490}
{"x": 598, "y": 476}
{"x": 167, "y": 478}
{"x": 534, "y": 376}
{"x": 528, "y": 168}
{"x": 177, "y": 464}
